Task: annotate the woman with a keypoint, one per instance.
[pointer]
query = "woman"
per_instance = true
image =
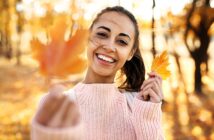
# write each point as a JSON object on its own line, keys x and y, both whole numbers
{"x": 96, "y": 109}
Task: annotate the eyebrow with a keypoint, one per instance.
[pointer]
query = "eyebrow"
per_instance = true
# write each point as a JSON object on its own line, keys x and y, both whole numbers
{"x": 107, "y": 29}
{"x": 122, "y": 34}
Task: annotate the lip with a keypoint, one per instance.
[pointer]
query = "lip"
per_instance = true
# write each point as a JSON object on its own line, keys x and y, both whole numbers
{"x": 107, "y": 56}
{"x": 103, "y": 62}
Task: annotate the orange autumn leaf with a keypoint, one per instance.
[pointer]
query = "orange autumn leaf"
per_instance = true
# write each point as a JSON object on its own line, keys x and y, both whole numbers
{"x": 60, "y": 57}
{"x": 160, "y": 65}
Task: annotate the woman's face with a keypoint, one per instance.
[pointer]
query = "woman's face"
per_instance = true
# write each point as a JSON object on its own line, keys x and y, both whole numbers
{"x": 110, "y": 43}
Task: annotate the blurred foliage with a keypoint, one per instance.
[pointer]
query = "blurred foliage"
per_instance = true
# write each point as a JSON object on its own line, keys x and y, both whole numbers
{"x": 19, "y": 96}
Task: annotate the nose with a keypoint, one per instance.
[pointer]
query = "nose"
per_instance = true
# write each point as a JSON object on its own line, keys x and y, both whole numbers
{"x": 110, "y": 47}
{"x": 113, "y": 48}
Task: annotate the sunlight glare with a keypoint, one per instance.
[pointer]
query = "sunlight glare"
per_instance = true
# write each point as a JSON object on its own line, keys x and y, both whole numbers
{"x": 62, "y": 6}
{"x": 197, "y": 131}
{"x": 206, "y": 116}
{"x": 39, "y": 10}
{"x": 212, "y": 3}
{"x": 28, "y": 1}
{"x": 183, "y": 114}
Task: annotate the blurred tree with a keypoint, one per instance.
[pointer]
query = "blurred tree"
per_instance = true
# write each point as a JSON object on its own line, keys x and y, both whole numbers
{"x": 153, "y": 30}
{"x": 1, "y": 5}
{"x": 5, "y": 47}
{"x": 1, "y": 27}
{"x": 1, "y": 42}
{"x": 198, "y": 21}
{"x": 47, "y": 20}
{"x": 19, "y": 28}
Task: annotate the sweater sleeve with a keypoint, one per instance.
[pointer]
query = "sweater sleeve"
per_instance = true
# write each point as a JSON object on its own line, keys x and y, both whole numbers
{"x": 40, "y": 132}
{"x": 147, "y": 118}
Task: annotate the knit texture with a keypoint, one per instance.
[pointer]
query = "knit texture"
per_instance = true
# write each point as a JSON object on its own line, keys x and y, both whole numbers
{"x": 106, "y": 116}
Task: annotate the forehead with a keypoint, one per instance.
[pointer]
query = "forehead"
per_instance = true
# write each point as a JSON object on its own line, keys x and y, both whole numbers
{"x": 117, "y": 21}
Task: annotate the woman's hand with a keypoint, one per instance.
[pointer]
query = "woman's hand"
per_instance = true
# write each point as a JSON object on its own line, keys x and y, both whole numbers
{"x": 151, "y": 90}
{"x": 57, "y": 110}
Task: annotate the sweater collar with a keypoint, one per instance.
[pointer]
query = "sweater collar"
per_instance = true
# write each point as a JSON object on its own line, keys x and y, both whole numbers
{"x": 101, "y": 89}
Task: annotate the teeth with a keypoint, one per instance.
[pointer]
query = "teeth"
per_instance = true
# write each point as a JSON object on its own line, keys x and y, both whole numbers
{"x": 105, "y": 58}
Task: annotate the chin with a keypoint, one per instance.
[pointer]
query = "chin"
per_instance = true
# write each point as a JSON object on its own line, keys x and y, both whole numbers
{"x": 104, "y": 73}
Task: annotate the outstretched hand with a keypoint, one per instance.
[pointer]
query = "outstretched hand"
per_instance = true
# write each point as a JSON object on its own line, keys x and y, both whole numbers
{"x": 57, "y": 110}
{"x": 151, "y": 89}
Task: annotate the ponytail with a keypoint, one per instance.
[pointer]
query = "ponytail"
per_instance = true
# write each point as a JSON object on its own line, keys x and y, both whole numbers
{"x": 135, "y": 72}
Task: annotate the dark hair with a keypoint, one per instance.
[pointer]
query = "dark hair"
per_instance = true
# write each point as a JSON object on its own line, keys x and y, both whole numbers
{"x": 134, "y": 69}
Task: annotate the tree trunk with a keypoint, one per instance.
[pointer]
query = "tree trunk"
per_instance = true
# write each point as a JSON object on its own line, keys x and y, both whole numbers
{"x": 201, "y": 55}
{"x": 198, "y": 82}
{"x": 153, "y": 30}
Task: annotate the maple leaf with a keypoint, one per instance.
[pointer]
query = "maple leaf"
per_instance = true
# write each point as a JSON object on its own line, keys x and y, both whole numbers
{"x": 60, "y": 57}
{"x": 160, "y": 65}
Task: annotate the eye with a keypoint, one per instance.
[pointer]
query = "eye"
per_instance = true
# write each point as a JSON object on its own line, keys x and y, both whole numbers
{"x": 102, "y": 35}
{"x": 122, "y": 42}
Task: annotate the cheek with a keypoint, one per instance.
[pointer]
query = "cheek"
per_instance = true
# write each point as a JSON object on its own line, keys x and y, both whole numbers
{"x": 90, "y": 51}
{"x": 123, "y": 57}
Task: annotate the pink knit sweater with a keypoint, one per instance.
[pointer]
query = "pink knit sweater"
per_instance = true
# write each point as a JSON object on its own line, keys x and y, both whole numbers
{"x": 107, "y": 115}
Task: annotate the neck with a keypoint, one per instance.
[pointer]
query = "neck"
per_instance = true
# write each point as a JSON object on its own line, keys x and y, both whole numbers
{"x": 92, "y": 77}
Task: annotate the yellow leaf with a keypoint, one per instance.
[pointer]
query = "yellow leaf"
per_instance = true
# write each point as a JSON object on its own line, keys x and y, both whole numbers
{"x": 160, "y": 65}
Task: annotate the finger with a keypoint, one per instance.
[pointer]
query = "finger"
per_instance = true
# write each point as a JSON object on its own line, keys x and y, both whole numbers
{"x": 157, "y": 75}
{"x": 54, "y": 100}
{"x": 146, "y": 97}
{"x": 57, "y": 89}
{"x": 143, "y": 95}
{"x": 153, "y": 96}
{"x": 154, "y": 74}
{"x": 146, "y": 82}
{"x": 150, "y": 94}
{"x": 50, "y": 105}
{"x": 148, "y": 86}
{"x": 68, "y": 109}
{"x": 56, "y": 120}
{"x": 157, "y": 90}
{"x": 158, "y": 87}
{"x": 151, "y": 74}
{"x": 73, "y": 116}
{"x": 159, "y": 79}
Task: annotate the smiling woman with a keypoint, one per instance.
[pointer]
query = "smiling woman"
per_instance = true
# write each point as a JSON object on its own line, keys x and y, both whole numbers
{"x": 110, "y": 46}
{"x": 95, "y": 109}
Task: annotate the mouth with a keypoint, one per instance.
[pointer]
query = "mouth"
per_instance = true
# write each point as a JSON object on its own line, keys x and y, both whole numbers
{"x": 105, "y": 58}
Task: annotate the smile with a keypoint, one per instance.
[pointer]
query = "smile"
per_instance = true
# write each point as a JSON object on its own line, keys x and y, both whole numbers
{"x": 105, "y": 58}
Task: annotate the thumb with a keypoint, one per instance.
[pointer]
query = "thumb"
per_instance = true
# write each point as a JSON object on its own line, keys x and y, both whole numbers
{"x": 152, "y": 74}
{"x": 57, "y": 89}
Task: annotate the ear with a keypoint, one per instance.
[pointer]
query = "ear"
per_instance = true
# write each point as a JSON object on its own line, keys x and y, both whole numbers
{"x": 131, "y": 54}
